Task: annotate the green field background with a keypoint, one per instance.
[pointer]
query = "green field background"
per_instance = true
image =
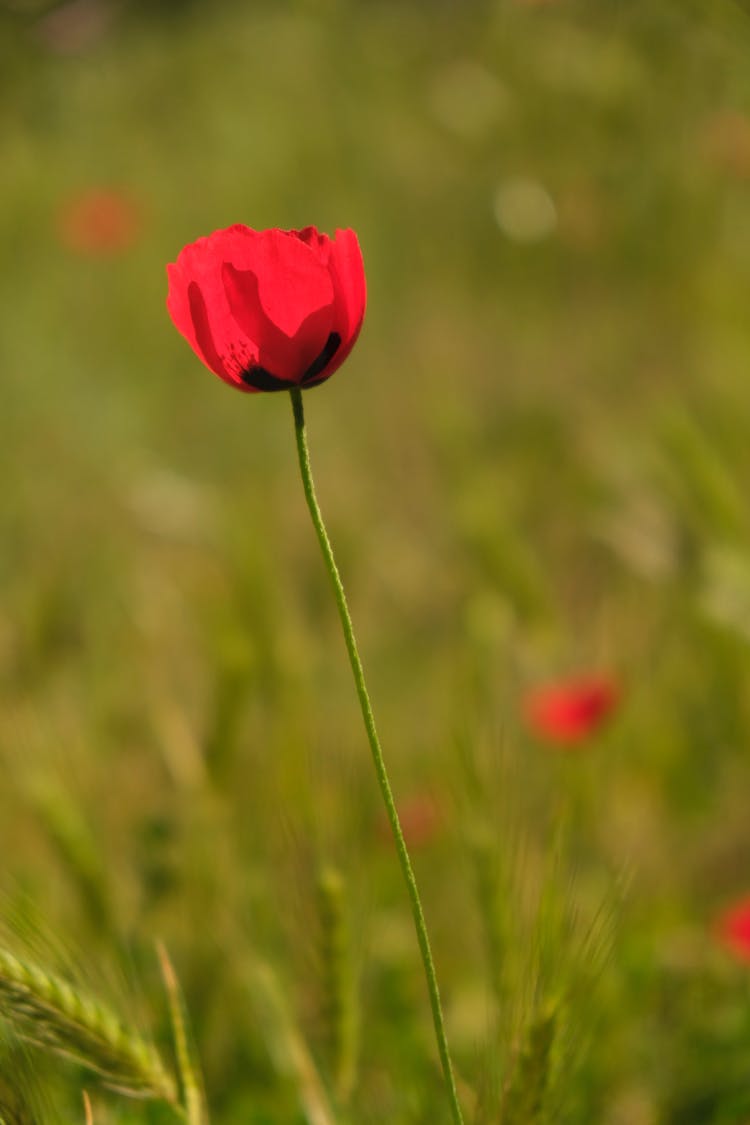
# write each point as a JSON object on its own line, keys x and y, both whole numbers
{"x": 536, "y": 462}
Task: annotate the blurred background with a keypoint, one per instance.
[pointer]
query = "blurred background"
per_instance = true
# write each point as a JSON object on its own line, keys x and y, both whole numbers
{"x": 535, "y": 467}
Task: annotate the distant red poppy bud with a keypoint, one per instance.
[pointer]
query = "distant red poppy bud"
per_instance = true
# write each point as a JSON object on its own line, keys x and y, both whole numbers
{"x": 422, "y": 820}
{"x": 99, "y": 223}
{"x": 733, "y": 929}
{"x": 269, "y": 310}
{"x": 570, "y": 711}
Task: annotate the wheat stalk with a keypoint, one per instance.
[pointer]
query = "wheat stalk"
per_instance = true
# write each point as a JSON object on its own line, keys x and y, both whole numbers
{"x": 288, "y": 1048}
{"x": 525, "y": 1097}
{"x": 49, "y": 1012}
{"x": 190, "y": 1079}
{"x": 337, "y": 999}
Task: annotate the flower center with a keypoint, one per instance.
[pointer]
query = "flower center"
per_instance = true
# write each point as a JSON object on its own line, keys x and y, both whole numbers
{"x": 263, "y": 380}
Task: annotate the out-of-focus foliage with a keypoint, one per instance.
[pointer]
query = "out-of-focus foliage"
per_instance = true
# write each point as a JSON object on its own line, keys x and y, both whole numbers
{"x": 535, "y": 463}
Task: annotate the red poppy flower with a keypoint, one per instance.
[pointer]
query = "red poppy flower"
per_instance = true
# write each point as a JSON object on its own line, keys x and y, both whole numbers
{"x": 570, "y": 711}
{"x": 733, "y": 929}
{"x": 99, "y": 222}
{"x": 269, "y": 310}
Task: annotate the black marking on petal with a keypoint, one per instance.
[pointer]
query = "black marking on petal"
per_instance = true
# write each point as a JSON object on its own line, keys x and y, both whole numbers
{"x": 332, "y": 345}
{"x": 262, "y": 380}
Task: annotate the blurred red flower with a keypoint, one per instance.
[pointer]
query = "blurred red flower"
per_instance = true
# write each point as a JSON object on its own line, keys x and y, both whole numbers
{"x": 99, "y": 222}
{"x": 733, "y": 929}
{"x": 725, "y": 143}
{"x": 421, "y": 819}
{"x": 570, "y": 711}
{"x": 269, "y": 310}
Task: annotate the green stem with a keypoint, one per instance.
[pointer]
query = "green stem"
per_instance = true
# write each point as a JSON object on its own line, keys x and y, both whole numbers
{"x": 377, "y": 753}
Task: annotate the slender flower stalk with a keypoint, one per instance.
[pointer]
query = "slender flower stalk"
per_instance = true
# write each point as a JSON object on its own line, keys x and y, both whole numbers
{"x": 280, "y": 310}
{"x": 377, "y": 753}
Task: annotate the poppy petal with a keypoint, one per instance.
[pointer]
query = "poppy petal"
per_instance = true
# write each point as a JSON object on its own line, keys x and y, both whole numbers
{"x": 347, "y": 271}
{"x": 288, "y": 357}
